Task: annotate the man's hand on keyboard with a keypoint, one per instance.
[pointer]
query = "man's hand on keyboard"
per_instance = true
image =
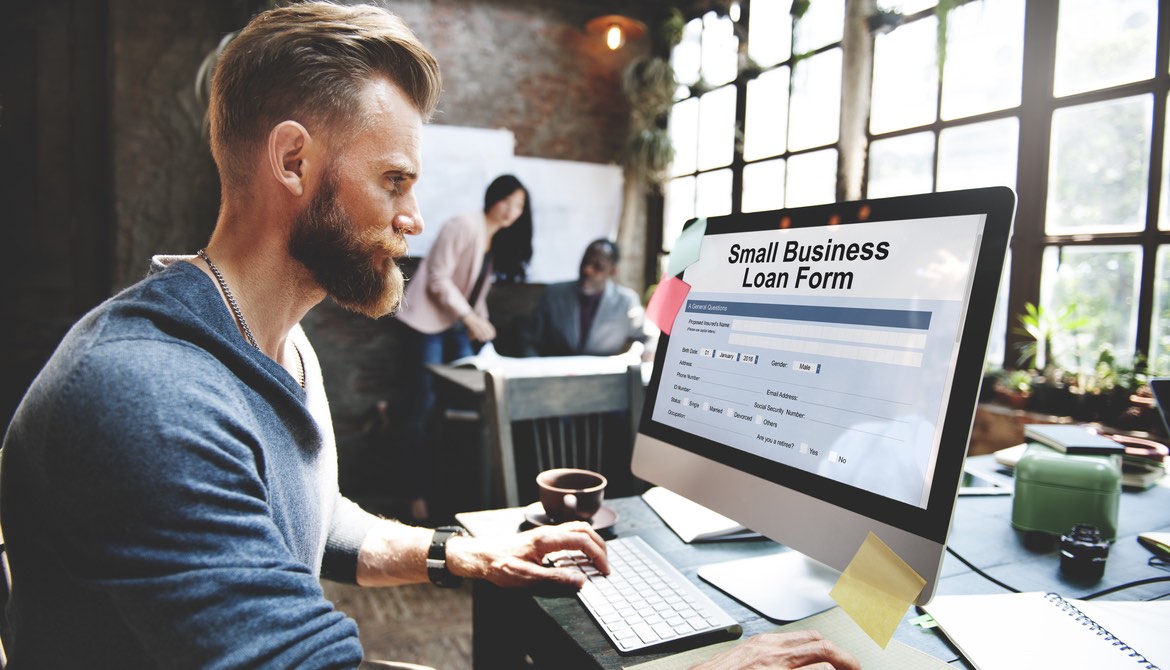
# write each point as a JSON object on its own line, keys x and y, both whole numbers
{"x": 517, "y": 560}
{"x": 783, "y": 651}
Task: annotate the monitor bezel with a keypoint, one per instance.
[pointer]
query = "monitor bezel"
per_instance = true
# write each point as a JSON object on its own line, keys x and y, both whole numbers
{"x": 997, "y": 204}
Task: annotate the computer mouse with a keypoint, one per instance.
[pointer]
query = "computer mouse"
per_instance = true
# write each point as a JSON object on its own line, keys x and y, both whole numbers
{"x": 1157, "y": 543}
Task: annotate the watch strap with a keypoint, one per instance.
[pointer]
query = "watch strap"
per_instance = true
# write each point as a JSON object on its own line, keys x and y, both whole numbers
{"x": 437, "y": 557}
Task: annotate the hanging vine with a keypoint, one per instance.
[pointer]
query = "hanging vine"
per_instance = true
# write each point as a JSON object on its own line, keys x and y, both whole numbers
{"x": 649, "y": 84}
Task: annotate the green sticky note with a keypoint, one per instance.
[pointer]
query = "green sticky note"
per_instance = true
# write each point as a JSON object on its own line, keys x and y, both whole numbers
{"x": 876, "y": 588}
{"x": 686, "y": 247}
{"x": 924, "y": 621}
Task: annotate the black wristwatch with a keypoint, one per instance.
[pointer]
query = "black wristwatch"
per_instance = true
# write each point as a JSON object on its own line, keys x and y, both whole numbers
{"x": 437, "y": 557}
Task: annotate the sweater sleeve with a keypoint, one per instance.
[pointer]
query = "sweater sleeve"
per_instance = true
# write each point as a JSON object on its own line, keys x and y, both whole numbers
{"x": 455, "y": 247}
{"x": 161, "y": 506}
{"x": 349, "y": 527}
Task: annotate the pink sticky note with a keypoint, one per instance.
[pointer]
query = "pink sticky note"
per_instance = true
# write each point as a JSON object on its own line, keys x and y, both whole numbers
{"x": 667, "y": 299}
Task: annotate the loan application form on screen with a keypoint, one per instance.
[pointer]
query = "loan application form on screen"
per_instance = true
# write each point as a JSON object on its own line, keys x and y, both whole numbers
{"x": 824, "y": 348}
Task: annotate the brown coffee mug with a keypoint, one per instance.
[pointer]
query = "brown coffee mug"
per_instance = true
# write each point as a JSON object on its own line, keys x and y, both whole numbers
{"x": 570, "y": 494}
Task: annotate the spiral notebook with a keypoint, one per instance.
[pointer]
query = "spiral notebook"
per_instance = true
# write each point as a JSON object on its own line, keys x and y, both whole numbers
{"x": 1043, "y": 630}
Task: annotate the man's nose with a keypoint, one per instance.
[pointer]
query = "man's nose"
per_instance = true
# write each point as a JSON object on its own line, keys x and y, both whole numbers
{"x": 411, "y": 218}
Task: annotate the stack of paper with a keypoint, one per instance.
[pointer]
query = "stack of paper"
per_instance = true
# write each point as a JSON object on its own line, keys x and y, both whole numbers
{"x": 692, "y": 521}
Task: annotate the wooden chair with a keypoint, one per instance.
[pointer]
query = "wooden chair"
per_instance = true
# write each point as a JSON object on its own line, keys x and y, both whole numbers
{"x": 536, "y": 423}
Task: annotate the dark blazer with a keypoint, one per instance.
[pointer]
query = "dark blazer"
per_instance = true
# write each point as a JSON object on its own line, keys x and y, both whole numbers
{"x": 555, "y": 326}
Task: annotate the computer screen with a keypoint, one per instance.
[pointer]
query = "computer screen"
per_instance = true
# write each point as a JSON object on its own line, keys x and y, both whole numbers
{"x": 819, "y": 380}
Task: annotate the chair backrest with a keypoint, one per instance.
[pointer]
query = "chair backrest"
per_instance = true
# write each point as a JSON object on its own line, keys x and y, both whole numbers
{"x": 536, "y": 423}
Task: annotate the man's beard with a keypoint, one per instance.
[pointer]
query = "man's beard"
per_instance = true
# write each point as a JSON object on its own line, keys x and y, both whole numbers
{"x": 356, "y": 269}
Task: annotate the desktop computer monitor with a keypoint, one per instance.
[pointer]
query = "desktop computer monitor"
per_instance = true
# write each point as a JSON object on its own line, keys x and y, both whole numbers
{"x": 819, "y": 382}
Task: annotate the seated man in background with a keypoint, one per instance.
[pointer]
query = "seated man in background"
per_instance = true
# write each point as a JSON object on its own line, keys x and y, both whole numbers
{"x": 592, "y": 315}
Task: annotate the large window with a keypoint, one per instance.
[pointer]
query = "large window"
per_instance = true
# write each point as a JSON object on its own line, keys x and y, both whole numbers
{"x": 764, "y": 141}
{"x": 1063, "y": 100}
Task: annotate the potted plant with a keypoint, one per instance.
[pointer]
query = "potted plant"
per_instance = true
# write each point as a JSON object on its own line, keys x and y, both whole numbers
{"x": 1051, "y": 392}
{"x": 1014, "y": 388}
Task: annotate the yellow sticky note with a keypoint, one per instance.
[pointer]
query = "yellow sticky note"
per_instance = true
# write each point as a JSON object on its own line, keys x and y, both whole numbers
{"x": 876, "y": 588}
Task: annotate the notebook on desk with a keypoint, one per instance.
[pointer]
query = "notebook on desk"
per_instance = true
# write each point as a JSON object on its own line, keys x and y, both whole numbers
{"x": 1038, "y": 630}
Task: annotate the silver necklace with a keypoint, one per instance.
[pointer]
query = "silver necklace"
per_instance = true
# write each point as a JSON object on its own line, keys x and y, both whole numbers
{"x": 239, "y": 316}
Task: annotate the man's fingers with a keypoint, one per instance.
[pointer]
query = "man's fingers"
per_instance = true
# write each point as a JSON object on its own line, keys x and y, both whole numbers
{"x": 792, "y": 638}
{"x": 525, "y": 573}
{"x": 576, "y": 535}
{"x": 811, "y": 653}
{"x": 567, "y": 576}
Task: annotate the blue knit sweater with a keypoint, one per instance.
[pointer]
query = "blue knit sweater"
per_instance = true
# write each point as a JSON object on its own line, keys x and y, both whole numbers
{"x": 168, "y": 497}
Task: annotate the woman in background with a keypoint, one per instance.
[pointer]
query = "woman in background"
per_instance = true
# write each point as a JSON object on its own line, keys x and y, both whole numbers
{"x": 445, "y": 308}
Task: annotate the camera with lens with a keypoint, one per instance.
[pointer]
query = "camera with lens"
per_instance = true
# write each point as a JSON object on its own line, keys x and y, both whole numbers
{"x": 1083, "y": 552}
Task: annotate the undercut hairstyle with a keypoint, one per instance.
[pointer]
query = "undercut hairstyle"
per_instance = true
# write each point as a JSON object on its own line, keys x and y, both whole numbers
{"x": 309, "y": 62}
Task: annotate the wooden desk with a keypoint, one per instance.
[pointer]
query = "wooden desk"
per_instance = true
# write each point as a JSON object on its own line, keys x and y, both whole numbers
{"x": 558, "y": 633}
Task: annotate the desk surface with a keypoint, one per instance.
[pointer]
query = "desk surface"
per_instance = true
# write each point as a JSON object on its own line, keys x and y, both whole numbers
{"x": 981, "y": 532}
{"x": 471, "y": 379}
{"x": 468, "y": 379}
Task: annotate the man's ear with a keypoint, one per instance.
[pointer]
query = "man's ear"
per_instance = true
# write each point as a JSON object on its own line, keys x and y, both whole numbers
{"x": 289, "y": 149}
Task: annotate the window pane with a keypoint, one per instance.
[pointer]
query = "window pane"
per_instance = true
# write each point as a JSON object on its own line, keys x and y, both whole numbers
{"x": 720, "y": 49}
{"x": 770, "y": 31}
{"x": 678, "y": 208}
{"x": 1160, "y": 324}
{"x": 820, "y": 26}
{"x": 816, "y": 101}
{"x": 684, "y": 135}
{"x": 1163, "y": 215}
{"x": 979, "y": 154}
{"x": 901, "y": 165}
{"x": 713, "y": 193}
{"x": 1099, "y": 166}
{"x": 767, "y": 114}
{"x": 1104, "y": 44}
{"x": 812, "y": 178}
{"x": 716, "y": 128}
{"x": 1100, "y": 284}
{"x": 687, "y": 54}
{"x": 763, "y": 186}
{"x": 996, "y": 355}
{"x": 985, "y": 57}
{"x": 905, "y": 77}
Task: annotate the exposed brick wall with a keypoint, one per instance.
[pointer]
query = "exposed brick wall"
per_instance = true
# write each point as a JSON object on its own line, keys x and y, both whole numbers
{"x": 524, "y": 65}
{"x": 527, "y": 66}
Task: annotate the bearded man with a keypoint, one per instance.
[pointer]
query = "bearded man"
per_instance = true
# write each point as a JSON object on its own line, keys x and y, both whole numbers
{"x": 168, "y": 492}
{"x": 170, "y": 479}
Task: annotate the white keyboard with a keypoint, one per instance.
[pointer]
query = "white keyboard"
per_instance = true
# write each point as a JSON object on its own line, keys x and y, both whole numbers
{"x": 645, "y": 601}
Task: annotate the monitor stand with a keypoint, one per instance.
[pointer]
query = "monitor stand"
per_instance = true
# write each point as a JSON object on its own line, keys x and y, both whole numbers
{"x": 785, "y": 586}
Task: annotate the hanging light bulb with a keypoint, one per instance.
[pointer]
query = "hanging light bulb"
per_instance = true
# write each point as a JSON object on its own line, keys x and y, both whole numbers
{"x": 616, "y": 29}
{"x": 614, "y": 39}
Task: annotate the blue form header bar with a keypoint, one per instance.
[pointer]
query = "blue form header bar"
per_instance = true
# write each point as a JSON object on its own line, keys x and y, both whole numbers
{"x": 858, "y": 316}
